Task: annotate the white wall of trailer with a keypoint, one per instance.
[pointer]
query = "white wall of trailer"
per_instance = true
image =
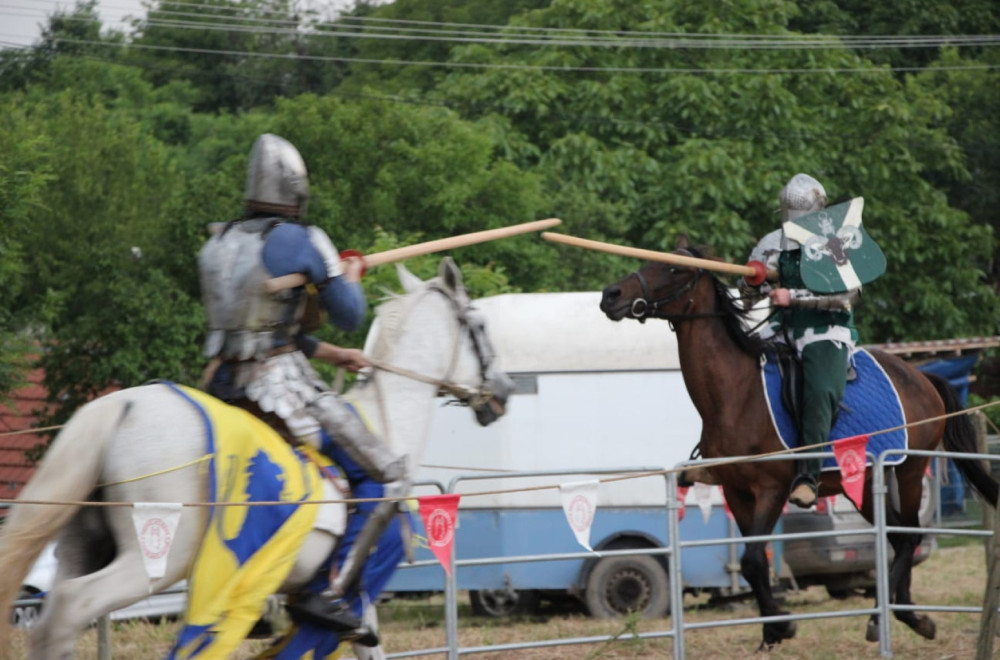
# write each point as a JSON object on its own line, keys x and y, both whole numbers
{"x": 591, "y": 393}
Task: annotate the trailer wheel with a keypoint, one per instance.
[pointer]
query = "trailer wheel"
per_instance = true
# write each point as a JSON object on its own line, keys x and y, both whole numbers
{"x": 498, "y": 603}
{"x": 620, "y": 585}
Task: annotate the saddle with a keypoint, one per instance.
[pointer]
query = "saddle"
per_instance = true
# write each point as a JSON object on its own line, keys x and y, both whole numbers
{"x": 790, "y": 370}
{"x": 870, "y": 403}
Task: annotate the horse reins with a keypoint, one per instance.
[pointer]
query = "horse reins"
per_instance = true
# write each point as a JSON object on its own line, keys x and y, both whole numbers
{"x": 465, "y": 395}
{"x": 643, "y": 308}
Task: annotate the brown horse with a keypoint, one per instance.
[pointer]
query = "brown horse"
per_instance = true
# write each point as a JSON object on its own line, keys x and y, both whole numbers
{"x": 721, "y": 366}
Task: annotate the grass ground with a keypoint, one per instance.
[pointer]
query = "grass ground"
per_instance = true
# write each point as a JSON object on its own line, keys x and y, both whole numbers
{"x": 953, "y": 575}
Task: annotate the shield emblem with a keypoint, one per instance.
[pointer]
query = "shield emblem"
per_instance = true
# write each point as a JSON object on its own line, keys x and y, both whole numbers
{"x": 837, "y": 253}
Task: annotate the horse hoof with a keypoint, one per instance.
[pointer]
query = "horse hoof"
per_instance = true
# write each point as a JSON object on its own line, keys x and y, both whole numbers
{"x": 766, "y": 647}
{"x": 925, "y": 627}
{"x": 871, "y": 632}
{"x": 775, "y": 633}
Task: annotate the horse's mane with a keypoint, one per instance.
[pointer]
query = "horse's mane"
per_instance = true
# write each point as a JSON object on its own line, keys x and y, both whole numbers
{"x": 735, "y": 317}
{"x": 391, "y": 313}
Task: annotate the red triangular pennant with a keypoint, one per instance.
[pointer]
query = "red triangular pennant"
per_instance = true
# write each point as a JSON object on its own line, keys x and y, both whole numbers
{"x": 850, "y": 455}
{"x": 439, "y": 513}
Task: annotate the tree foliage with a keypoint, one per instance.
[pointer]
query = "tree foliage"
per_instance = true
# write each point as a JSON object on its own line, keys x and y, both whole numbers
{"x": 115, "y": 141}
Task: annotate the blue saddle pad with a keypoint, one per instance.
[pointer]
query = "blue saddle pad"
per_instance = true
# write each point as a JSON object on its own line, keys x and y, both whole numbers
{"x": 870, "y": 404}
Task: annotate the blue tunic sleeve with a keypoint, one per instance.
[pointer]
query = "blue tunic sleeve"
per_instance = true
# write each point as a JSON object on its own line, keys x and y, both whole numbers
{"x": 289, "y": 250}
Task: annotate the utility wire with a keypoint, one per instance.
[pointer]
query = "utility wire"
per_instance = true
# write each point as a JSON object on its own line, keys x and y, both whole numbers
{"x": 511, "y": 36}
{"x": 619, "y": 43}
{"x": 449, "y": 27}
{"x": 530, "y": 67}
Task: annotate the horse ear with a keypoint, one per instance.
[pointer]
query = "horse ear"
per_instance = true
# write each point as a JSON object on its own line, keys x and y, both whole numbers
{"x": 408, "y": 280}
{"x": 682, "y": 242}
{"x": 450, "y": 274}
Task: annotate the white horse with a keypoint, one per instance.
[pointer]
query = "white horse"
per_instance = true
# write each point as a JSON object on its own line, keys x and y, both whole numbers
{"x": 425, "y": 340}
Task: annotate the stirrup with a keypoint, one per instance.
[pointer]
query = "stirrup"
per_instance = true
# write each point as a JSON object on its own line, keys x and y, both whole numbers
{"x": 335, "y": 615}
{"x": 327, "y": 613}
{"x": 804, "y": 493}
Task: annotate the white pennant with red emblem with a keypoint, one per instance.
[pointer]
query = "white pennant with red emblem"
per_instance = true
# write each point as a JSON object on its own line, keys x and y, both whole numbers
{"x": 439, "y": 513}
{"x": 155, "y": 526}
{"x": 850, "y": 455}
{"x": 682, "y": 493}
{"x": 703, "y": 496}
{"x": 579, "y": 502}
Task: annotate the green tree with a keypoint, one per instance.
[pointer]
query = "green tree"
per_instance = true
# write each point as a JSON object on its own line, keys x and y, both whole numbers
{"x": 24, "y": 175}
{"x": 95, "y": 238}
{"x": 698, "y": 140}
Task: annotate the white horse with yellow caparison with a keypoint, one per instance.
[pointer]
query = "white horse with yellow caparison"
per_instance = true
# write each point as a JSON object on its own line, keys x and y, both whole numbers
{"x": 425, "y": 340}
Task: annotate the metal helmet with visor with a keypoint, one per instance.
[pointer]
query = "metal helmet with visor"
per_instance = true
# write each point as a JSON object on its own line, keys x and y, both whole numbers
{"x": 277, "y": 179}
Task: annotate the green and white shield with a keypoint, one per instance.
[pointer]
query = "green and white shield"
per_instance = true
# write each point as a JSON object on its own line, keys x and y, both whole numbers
{"x": 837, "y": 253}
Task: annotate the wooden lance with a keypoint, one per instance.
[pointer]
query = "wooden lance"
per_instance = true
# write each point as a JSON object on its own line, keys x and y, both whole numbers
{"x": 419, "y": 249}
{"x": 755, "y": 273}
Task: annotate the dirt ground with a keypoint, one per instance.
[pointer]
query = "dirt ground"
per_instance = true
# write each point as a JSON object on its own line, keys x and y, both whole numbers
{"x": 951, "y": 576}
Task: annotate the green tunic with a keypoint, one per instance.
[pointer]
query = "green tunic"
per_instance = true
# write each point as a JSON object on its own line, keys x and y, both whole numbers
{"x": 820, "y": 337}
{"x": 798, "y": 321}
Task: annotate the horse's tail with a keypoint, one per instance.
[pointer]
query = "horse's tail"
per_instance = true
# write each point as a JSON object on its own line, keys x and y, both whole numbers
{"x": 960, "y": 436}
{"x": 69, "y": 472}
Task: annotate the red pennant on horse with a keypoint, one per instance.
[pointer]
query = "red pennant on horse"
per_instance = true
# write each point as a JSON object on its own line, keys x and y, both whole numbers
{"x": 439, "y": 513}
{"x": 850, "y": 455}
{"x": 682, "y": 493}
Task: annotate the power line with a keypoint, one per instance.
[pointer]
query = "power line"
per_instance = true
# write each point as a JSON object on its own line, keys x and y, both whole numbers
{"x": 515, "y": 35}
{"x": 530, "y": 67}
{"x": 690, "y": 128}
{"x": 618, "y": 43}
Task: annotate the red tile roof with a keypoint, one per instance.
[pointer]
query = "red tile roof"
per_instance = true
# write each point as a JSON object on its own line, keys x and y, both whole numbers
{"x": 20, "y": 413}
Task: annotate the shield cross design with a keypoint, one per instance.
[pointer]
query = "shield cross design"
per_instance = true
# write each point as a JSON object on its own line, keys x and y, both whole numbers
{"x": 837, "y": 253}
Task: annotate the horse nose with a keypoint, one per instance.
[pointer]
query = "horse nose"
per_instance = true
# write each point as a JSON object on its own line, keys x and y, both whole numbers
{"x": 610, "y": 296}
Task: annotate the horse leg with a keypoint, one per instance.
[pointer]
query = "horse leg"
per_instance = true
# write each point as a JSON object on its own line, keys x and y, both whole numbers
{"x": 370, "y": 617}
{"x": 75, "y": 602}
{"x": 100, "y": 570}
{"x": 756, "y": 517}
{"x": 910, "y": 478}
{"x": 904, "y": 545}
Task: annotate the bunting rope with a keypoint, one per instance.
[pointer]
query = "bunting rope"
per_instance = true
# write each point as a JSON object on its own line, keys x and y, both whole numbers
{"x": 622, "y": 477}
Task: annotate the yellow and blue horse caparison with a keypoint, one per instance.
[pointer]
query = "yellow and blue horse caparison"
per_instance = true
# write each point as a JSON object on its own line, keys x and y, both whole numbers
{"x": 247, "y": 551}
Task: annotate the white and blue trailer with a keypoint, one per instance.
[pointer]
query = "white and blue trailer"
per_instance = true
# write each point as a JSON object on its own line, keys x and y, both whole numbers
{"x": 591, "y": 396}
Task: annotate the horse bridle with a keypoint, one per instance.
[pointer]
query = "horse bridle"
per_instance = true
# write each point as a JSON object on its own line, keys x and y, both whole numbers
{"x": 481, "y": 395}
{"x": 466, "y": 396}
{"x": 643, "y": 308}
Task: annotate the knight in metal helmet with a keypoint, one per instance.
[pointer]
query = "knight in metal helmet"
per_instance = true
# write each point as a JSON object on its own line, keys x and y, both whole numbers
{"x": 819, "y": 326}
{"x": 277, "y": 181}
{"x": 258, "y": 345}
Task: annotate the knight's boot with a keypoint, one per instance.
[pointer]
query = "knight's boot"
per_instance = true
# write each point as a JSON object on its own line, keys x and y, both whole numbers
{"x": 333, "y": 614}
{"x": 805, "y": 486}
{"x": 364, "y": 447}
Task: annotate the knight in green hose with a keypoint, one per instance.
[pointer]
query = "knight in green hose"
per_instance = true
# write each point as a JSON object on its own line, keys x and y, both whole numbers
{"x": 818, "y": 325}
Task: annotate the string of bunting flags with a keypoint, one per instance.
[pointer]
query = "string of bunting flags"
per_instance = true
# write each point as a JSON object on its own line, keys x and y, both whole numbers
{"x": 580, "y": 500}
{"x": 156, "y": 523}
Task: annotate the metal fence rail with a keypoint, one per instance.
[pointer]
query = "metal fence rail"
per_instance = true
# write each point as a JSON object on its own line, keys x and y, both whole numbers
{"x": 674, "y": 551}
